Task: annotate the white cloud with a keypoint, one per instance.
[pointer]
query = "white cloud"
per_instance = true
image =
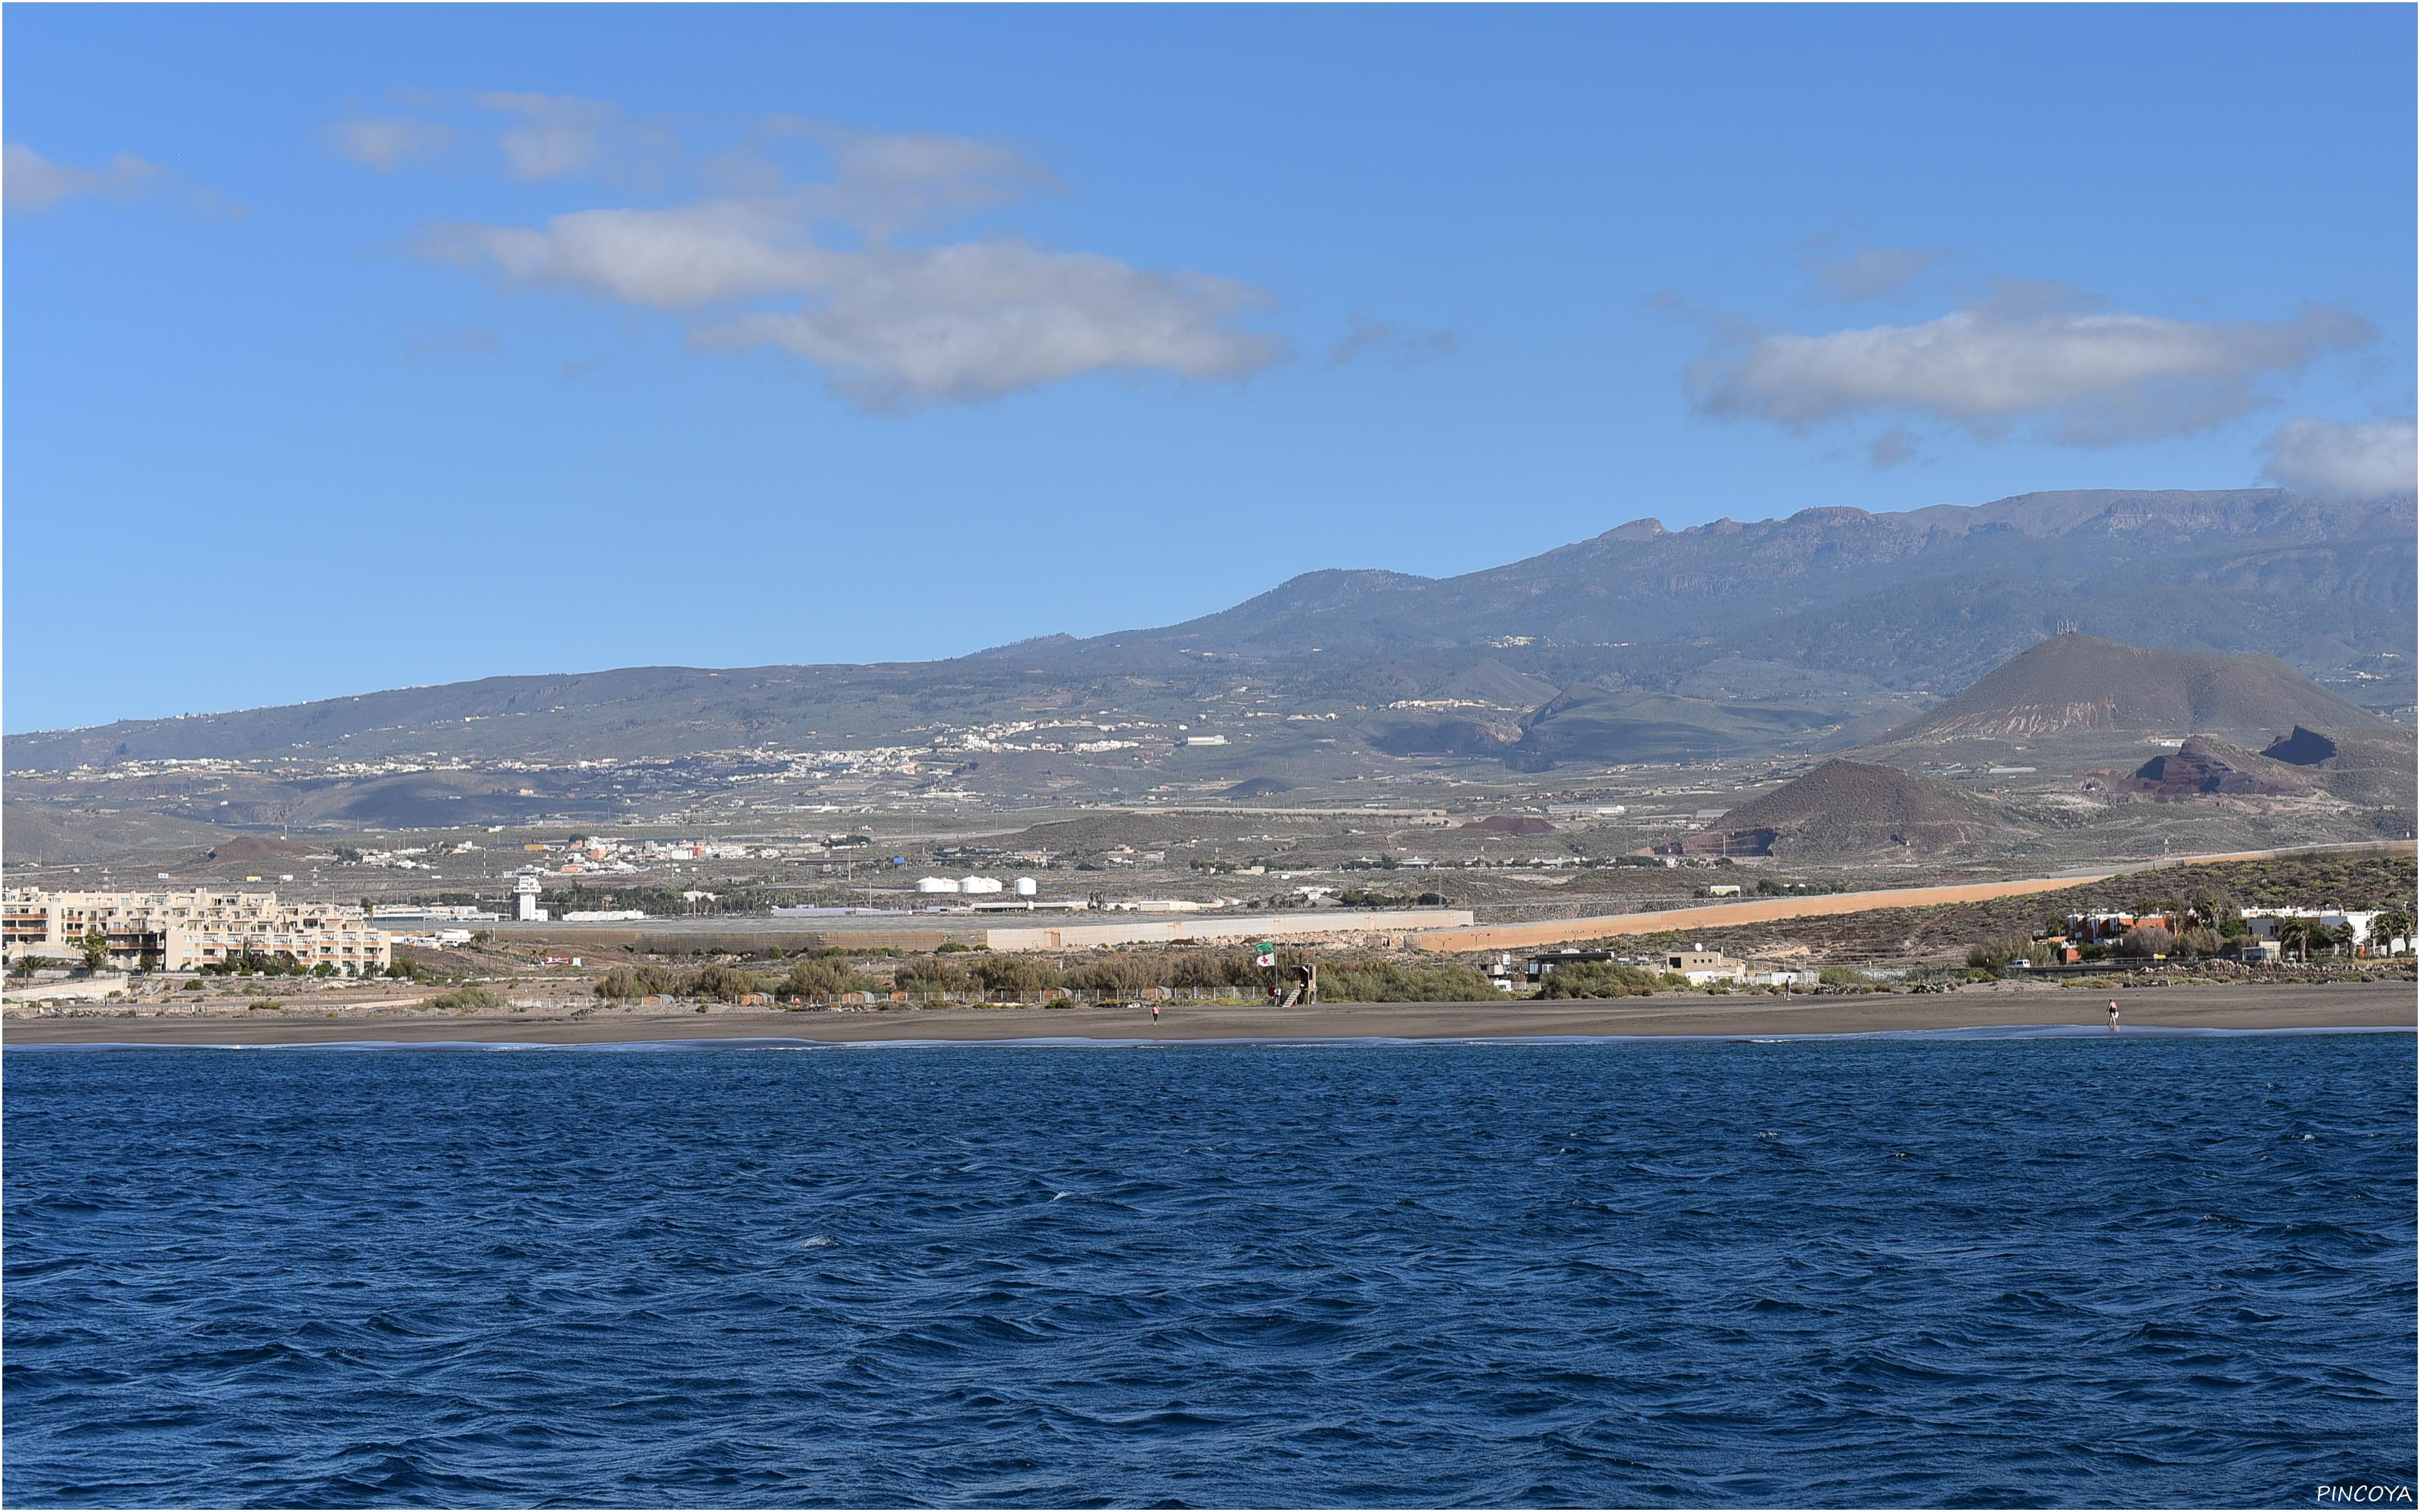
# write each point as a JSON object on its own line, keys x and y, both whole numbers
{"x": 29, "y": 182}
{"x": 2098, "y": 376}
{"x": 388, "y": 144}
{"x": 2367, "y": 460}
{"x": 1870, "y": 272}
{"x": 976, "y": 320}
{"x": 883, "y": 184}
{"x": 665, "y": 259}
{"x": 558, "y": 134}
{"x": 891, "y": 326}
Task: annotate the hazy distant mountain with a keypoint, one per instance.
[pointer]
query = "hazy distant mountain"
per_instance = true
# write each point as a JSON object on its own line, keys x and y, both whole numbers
{"x": 1934, "y": 593}
{"x": 1639, "y": 644}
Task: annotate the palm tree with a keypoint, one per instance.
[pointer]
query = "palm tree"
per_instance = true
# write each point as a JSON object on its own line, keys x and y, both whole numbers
{"x": 2294, "y": 931}
{"x": 2393, "y": 923}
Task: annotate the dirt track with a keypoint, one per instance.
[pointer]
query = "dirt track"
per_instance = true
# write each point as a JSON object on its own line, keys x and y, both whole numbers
{"x": 1766, "y": 910}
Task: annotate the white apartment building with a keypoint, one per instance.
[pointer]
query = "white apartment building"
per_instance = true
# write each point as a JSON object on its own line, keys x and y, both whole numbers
{"x": 187, "y": 931}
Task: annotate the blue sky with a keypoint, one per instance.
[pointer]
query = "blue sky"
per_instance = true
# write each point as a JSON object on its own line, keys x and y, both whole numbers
{"x": 353, "y": 347}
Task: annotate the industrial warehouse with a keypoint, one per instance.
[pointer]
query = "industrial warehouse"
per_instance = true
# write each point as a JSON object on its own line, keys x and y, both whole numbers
{"x": 190, "y": 931}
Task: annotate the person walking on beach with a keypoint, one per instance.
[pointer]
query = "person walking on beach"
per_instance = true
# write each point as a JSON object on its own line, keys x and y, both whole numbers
{"x": 2113, "y": 1015}
{"x": 1155, "y": 1015}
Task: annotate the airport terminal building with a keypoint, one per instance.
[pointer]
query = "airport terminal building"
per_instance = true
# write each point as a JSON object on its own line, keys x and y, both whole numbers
{"x": 188, "y": 930}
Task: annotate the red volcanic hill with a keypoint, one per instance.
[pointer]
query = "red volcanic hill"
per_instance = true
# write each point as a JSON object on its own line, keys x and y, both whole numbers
{"x": 1511, "y": 825}
{"x": 2205, "y": 768}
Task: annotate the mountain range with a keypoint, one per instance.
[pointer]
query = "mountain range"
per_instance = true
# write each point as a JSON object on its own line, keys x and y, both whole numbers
{"x": 1829, "y": 630}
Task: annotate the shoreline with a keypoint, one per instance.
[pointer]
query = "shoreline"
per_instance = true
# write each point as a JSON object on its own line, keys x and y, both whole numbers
{"x": 2332, "y": 1005}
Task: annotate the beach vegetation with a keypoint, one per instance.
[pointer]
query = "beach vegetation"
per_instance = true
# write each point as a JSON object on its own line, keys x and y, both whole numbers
{"x": 824, "y": 977}
{"x": 1399, "y": 981}
{"x": 721, "y": 983}
{"x": 1601, "y": 979}
{"x": 1017, "y": 975}
{"x": 467, "y": 997}
{"x": 924, "y": 974}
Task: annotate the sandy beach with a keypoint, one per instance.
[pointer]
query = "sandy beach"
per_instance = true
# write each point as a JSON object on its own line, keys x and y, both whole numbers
{"x": 2339, "y": 1005}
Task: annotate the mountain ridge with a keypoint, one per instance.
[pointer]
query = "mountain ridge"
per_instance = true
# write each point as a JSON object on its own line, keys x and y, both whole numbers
{"x": 1817, "y": 619}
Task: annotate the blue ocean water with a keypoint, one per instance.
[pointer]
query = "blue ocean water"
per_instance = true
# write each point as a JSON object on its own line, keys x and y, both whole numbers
{"x": 2130, "y": 1271}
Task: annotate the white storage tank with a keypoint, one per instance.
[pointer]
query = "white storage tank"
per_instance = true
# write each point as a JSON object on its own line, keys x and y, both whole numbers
{"x": 1027, "y": 886}
{"x": 980, "y": 885}
{"x": 936, "y": 885}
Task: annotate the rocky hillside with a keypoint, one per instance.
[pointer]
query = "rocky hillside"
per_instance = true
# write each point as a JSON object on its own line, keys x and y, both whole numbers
{"x": 2360, "y": 765}
{"x": 2210, "y": 769}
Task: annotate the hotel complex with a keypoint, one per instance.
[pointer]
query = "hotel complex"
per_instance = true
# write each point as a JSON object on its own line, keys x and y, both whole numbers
{"x": 188, "y": 930}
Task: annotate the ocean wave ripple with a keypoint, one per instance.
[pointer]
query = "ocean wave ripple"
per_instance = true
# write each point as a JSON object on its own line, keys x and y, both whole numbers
{"x": 2127, "y": 1272}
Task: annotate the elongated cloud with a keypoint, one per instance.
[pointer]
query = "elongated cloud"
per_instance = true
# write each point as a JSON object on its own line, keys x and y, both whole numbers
{"x": 2368, "y": 459}
{"x": 665, "y": 259}
{"x": 557, "y": 134}
{"x": 884, "y": 183}
{"x": 2096, "y": 375}
{"x": 29, "y": 182}
{"x": 387, "y": 143}
{"x": 1870, "y": 272}
{"x": 973, "y": 321}
{"x": 891, "y": 326}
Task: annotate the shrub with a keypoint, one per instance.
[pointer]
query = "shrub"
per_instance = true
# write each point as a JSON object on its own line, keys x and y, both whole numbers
{"x": 1017, "y": 974}
{"x": 922, "y": 974}
{"x": 1397, "y": 981}
{"x": 265, "y": 1003}
{"x": 1993, "y": 955}
{"x": 467, "y": 997}
{"x": 2148, "y": 940}
{"x": 724, "y": 984}
{"x": 1124, "y": 972}
{"x": 1600, "y": 979}
{"x": 1841, "y": 976}
{"x": 823, "y": 977}
{"x": 193, "y": 985}
{"x": 1213, "y": 971}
